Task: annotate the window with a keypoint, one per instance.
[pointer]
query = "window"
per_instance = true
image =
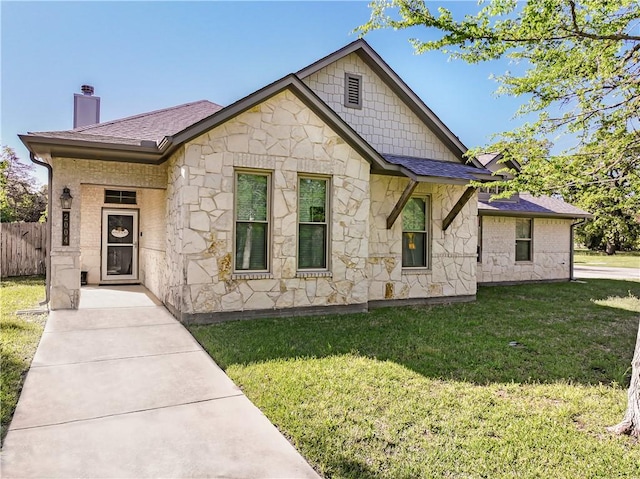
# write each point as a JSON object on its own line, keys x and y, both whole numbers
{"x": 312, "y": 223}
{"x": 352, "y": 90}
{"x": 479, "y": 249}
{"x": 252, "y": 222}
{"x": 524, "y": 227}
{"x": 415, "y": 219}
{"x": 120, "y": 197}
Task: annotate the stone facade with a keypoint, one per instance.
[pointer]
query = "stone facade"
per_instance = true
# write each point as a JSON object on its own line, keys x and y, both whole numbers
{"x": 384, "y": 120}
{"x": 285, "y": 139}
{"x": 87, "y": 180}
{"x": 187, "y": 208}
{"x": 452, "y": 265}
{"x": 550, "y": 251}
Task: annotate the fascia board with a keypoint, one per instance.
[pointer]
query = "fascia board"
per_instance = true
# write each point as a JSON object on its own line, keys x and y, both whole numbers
{"x": 531, "y": 214}
{"x": 81, "y": 149}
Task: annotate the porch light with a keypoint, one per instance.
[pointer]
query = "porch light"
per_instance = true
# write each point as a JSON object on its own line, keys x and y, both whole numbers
{"x": 66, "y": 199}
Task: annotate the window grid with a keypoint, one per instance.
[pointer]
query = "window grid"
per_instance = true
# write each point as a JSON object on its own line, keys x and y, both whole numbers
{"x": 524, "y": 239}
{"x": 415, "y": 233}
{"x": 252, "y": 217}
{"x": 313, "y": 223}
{"x": 119, "y": 197}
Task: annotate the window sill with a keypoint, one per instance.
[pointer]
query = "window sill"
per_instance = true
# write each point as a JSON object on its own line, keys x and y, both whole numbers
{"x": 313, "y": 274}
{"x": 248, "y": 275}
{"x": 416, "y": 271}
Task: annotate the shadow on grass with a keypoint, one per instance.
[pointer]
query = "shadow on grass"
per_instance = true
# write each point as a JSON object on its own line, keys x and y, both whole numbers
{"x": 14, "y": 369}
{"x": 528, "y": 333}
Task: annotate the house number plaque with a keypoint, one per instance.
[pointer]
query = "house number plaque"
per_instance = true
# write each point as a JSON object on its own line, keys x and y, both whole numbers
{"x": 65, "y": 227}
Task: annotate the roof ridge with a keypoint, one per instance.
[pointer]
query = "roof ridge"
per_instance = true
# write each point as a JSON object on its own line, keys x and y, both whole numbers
{"x": 142, "y": 115}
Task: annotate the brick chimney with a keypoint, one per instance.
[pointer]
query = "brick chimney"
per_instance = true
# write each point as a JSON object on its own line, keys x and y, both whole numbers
{"x": 86, "y": 107}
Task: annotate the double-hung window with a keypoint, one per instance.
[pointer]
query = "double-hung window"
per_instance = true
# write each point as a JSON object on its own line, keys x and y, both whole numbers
{"x": 524, "y": 230}
{"x": 252, "y": 222}
{"x": 313, "y": 225}
{"x": 415, "y": 241}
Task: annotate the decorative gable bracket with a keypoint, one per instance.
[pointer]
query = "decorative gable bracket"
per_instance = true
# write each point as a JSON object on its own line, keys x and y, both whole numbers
{"x": 397, "y": 209}
{"x": 466, "y": 196}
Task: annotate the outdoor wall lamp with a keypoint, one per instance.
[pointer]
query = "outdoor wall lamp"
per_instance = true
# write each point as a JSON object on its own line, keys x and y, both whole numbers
{"x": 65, "y": 202}
{"x": 66, "y": 199}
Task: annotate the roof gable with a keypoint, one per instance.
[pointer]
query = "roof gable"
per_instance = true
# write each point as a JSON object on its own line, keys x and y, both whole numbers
{"x": 399, "y": 87}
{"x": 153, "y": 137}
{"x": 532, "y": 206}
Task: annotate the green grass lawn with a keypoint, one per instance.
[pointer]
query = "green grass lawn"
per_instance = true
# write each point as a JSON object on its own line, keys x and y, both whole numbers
{"x": 19, "y": 337}
{"x": 618, "y": 260}
{"x": 440, "y": 392}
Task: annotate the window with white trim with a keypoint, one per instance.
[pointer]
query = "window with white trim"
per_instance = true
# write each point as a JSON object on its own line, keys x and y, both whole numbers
{"x": 415, "y": 233}
{"x": 313, "y": 226}
{"x": 252, "y": 221}
{"x": 524, "y": 239}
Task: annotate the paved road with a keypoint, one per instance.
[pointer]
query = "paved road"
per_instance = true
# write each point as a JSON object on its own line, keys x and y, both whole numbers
{"x": 604, "y": 272}
{"x": 120, "y": 389}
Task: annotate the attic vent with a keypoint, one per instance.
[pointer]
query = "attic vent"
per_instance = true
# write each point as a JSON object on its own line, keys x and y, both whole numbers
{"x": 352, "y": 90}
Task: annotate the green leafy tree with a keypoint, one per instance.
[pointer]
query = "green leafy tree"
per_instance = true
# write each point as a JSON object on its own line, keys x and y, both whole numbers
{"x": 580, "y": 82}
{"x": 578, "y": 71}
{"x": 20, "y": 198}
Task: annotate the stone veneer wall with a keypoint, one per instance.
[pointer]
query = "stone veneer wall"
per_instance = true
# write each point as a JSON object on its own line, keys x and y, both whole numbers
{"x": 87, "y": 179}
{"x": 384, "y": 120}
{"x": 453, "y": 252}
{"x": 284, "y": 137}
{"x": 551, "y": 250}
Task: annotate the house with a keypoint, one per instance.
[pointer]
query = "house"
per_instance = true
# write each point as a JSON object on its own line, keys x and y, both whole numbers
{"x": 332, "y": 189}
{"x": 541, "y": 228}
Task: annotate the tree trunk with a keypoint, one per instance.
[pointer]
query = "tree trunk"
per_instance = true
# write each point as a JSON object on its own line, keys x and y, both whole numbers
{"x": 610, "y": 248}
{"x": 631, "y": 422}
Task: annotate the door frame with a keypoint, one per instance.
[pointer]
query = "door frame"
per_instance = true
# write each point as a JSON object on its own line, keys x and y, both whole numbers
{"x": 135, "y": 214}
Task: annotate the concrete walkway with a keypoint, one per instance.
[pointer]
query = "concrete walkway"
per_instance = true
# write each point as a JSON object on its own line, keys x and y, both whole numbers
{"x": 120, "y": 389}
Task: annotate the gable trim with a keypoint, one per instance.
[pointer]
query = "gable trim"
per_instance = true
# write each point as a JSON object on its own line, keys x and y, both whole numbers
{"x": 400, "y": 88}
{"x": 292, "y": 83}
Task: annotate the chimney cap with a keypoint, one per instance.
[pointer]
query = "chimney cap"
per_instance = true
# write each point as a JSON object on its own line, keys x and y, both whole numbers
{"x": 87, "y": 90}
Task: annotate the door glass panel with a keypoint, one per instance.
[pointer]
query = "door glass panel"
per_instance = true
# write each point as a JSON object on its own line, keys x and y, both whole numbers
{"x": 120, "y": 229}
{"x": 119, "y": 260}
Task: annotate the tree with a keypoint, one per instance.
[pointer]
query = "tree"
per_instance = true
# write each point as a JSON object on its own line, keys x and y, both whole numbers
{"x": 580, "y": 79}
{"x": 20, "y": 199}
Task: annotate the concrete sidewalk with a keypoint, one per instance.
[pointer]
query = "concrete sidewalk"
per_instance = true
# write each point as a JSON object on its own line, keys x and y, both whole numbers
{"x": 120, "y": 389}
{"x": 606, "y": 272}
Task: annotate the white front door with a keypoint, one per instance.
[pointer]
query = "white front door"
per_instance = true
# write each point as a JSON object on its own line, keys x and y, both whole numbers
{"x": 119, "y": 245}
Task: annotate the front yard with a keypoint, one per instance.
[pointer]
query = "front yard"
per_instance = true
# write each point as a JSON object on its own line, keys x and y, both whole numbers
{"x": 624, "y": 259}
{"x": 521, "y": 383}
{"x": 19, "y": 337}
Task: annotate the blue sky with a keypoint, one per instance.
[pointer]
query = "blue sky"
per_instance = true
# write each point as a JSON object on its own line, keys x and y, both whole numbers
{"x": 143, "y": 56}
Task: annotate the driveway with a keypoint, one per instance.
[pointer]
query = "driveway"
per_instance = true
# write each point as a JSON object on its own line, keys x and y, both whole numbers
{"x": 120, "y": 389}
{"x": 605, "y": 272}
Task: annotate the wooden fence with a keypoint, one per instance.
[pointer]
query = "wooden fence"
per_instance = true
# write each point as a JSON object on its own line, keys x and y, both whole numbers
{"x": 23, "y": 249}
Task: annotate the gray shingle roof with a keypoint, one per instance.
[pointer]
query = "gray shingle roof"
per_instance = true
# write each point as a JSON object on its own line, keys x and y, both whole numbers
{"x": 441, "y": 169}
{"x": 529, "y": 205}
{"x": 151, "y": 126}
